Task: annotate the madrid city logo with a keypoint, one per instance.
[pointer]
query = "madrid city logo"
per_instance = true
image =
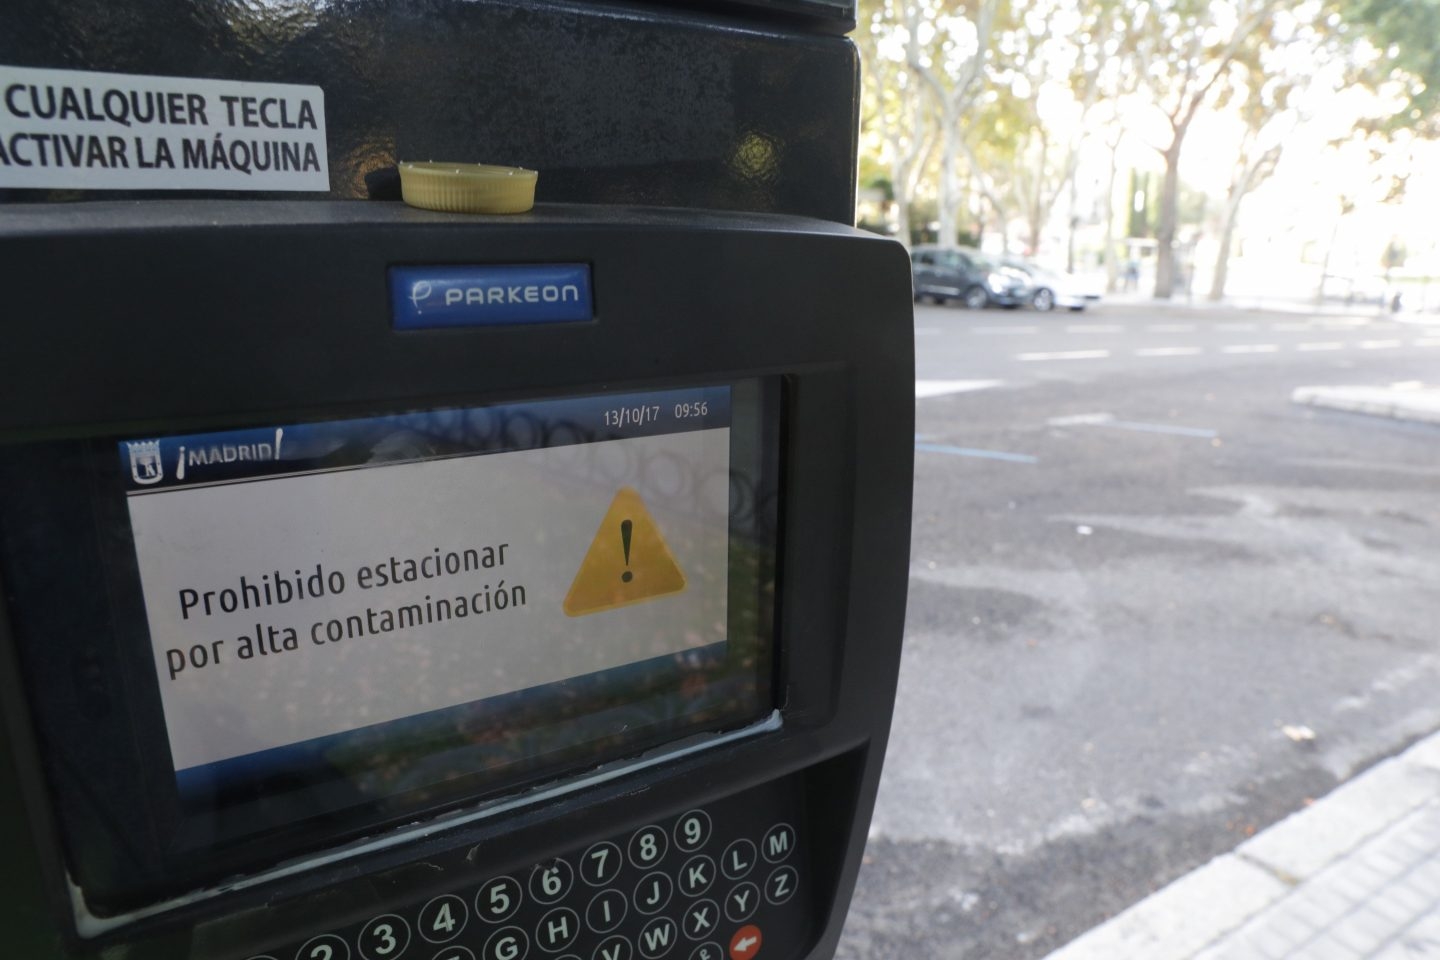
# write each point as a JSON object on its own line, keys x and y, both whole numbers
{"x": 146, "y": 467}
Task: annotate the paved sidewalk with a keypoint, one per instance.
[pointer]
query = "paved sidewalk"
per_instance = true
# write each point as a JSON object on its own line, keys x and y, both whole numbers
{"x": 1297, "y": 306}
{"x": 1355, "y": 875}
{"x": 1401, "y": 401}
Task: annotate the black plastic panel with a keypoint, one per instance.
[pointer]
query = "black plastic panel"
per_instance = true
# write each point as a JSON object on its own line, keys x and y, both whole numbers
{"x": 612, "y": 104}
{"x": 649, "y": 889}
{"x": 131, "y": 317}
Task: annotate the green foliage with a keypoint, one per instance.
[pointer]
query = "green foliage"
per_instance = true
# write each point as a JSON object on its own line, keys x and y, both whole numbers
{"x": 1406, "y": 34}
{"x": 1144, "y": 187}
{"x": 883, "y": 184}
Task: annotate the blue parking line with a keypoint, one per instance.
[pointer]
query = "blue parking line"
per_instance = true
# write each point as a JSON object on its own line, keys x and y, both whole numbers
{"x": 972, "y": 452}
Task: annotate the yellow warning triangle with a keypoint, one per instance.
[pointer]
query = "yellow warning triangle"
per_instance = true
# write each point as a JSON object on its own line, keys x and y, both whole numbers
{"x": 606, "y": 579}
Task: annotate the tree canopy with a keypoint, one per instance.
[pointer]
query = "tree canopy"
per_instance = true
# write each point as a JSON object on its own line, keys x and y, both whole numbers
{"x": 987, "y": 106}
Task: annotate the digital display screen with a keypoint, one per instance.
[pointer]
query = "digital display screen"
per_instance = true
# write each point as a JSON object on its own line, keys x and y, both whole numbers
{"x": 345, "y": 611}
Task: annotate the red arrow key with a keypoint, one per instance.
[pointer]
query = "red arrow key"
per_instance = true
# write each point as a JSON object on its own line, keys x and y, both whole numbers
{"x": 746, "y": 943}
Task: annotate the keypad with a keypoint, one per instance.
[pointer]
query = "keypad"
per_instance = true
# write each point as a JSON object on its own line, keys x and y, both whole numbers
{"x": 685, "y": 888}
{"x": 386, "y": 936}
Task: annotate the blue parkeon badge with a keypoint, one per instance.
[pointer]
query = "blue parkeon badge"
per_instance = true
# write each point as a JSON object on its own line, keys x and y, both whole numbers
{"x": 424, "y": 297}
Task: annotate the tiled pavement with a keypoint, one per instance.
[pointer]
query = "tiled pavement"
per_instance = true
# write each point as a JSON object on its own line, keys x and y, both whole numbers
{"x": 1381, "y": 901}
{"x": 1355, "y": 875}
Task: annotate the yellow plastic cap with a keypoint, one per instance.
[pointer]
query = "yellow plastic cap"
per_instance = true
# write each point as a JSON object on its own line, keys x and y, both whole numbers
{"x": 467, "y": 187}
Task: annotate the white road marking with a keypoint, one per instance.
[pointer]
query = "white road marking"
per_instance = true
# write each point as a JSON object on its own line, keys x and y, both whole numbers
{"x": 939, "y": 388}
{"x": 1236, "y": 326}
{"x": 1004, "y": 330}
{"x": 926, "y": 447}
{"x": 1427, "y": 342}
{"x": 1065, "y": 355}
{"x": 1108, "y": 420}
{"x": 1379, "y": 344}
{"x": 1171, "y": 429}
{"x": 1171, "y": 328}
{"x": 1168, "y": 351}
{"x": 1095, "y": 328}
{"x": 1252, "y": 348}
{"x": 1405, "y": 469}
{"x": 1321, "y": 345}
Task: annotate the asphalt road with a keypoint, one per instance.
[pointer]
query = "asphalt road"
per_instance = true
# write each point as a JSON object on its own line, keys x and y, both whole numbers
{"x": 1135, "y": 564}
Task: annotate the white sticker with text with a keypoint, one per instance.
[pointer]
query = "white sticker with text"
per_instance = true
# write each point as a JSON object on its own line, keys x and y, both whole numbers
{"x": 111, "y": 131}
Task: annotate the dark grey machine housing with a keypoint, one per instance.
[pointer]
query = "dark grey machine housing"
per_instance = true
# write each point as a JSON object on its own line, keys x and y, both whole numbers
{"x": 125, "y": 316}
{"x": 699, "y": 157}
{"x": 726, "y": 104}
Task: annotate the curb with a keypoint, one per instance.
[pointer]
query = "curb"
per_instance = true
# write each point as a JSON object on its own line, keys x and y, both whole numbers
{"x": 1419, "y": 404}
{"x": 1218, "y": 898}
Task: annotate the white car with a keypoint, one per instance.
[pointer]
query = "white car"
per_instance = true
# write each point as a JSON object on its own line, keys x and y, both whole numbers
{"x": 1050, "y": 290}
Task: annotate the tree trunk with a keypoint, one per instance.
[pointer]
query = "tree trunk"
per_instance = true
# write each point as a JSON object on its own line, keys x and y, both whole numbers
{"x": 1037, "y": 201}
{"x": 902, "y": 217}
{"x": 949, "y": 200}
{"x": 1227, "y": 236}
{"x": 1112, "y": 257}
{"x": 1255, "y": 172}
{"x": 1073, "y": 219}
{"x": 1222, "y": 266}
{"x": 1329, "y": 251}
{"x": 1168, "y": 220}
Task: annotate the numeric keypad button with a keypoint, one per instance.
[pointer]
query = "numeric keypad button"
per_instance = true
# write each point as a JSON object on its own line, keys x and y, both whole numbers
{"x": 557, "y": 929}
{"x": 692, "y": 830}
{"x": 455, "y": 952}
{"x": 697, "y": 875}
{"x": 700, "y": 919}
{"x": 384, "y": 938}
{"x": 657, "y": 938}
{"x": 551, "y": 880}
{"x": 738, "y": 859}
{"x": 780, "y": 887}
{"x": 601, "y": 864}
{"x": 442, "y": 919}
{"x": 647, "y": 847}
{"x": 778, "y": 842}
{"x": 652, "y": 893}
{"x": 327, "y": 946}
{"x": 741, "y": 902}
{"x": 613, "y": 948}
{"x": 498, "y": 899}
{"x": 507, "y": 943}
{"x": 607, "y": 911}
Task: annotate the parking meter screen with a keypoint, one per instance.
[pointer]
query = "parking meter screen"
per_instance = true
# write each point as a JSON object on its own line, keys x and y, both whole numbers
{"x": 349, "y": 610}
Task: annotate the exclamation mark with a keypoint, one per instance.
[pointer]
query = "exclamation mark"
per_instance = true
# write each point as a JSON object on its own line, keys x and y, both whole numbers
{"x": 625, "y": 527}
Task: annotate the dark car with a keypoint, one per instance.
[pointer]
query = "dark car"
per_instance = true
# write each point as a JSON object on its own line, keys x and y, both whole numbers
{"x": 958, "y": 273}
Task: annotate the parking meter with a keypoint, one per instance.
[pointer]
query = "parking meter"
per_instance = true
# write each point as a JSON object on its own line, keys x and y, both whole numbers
{"x": 382, "y": 584}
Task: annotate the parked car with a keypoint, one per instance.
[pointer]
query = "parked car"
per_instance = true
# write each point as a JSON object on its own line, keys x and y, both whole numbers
{"x": 959, "y": 273}
{"x": 1049, "y": 290}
